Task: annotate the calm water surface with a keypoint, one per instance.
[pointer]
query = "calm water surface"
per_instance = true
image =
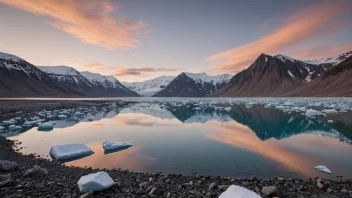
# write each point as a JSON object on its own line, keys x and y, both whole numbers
{"x": 241, "y": 142}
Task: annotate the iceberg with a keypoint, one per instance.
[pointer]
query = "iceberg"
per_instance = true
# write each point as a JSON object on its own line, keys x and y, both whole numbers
{"x": 238, "y": 192}
{"x": 45, "y": 126}
{"x": 107, "y": 145}
{"x": 69, "y": 151}
{"x": 323, "y": 169}
{"x": 227, "y": 108}
{"x": 95, "y": 182}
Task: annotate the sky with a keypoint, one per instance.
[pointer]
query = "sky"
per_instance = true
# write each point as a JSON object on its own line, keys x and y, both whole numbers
{"x": 137, "y": 40}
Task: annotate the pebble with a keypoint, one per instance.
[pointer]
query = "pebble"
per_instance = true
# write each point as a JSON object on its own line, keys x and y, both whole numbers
{"x": 269, "y": 190}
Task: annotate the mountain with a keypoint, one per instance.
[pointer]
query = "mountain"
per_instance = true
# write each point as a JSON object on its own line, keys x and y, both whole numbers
{"x": 149, "y": 87}
{"x": 273, "y": 76}
{"x": 107, "y": 86}
{"x": 336, "y": 82}
{"x": 90, "y": 84}
{"x": 193, "y": 85}
{"x": 18, "y": 78}
{"x": 331, "y": 60}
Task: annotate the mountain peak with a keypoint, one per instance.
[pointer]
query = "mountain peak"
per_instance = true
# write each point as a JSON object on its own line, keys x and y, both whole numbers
{"x": 59, "y": 70}
{"x": 6, "y": 56}
{"x": 284, "y": 58}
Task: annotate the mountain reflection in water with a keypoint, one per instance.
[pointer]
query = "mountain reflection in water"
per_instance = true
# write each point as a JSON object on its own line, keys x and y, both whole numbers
{"x": 242, "y": 142}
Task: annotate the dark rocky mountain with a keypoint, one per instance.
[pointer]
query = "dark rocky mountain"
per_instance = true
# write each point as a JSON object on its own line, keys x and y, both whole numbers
{"x": 193, "y": 85}
{"x": 336, "y": 82}
{"x": 91, "y": 84}
{"x": 272, "y": 76}
{"x": 18, "y": 78}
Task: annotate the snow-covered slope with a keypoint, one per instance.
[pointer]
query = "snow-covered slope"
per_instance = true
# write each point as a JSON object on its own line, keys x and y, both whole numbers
{"x": 59, "y": 70}
{"x": 108, "y": 85}
{"x": 332, "y": 60}
{"x": 149, "y": 87}
{"x": 18, "y": 78}
{"x": 215, "y": 80}
{"x": 194, "y": 85}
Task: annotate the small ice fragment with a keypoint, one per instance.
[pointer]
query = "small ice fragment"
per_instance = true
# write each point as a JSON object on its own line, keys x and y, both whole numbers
{"x": 69, "y": 151}
{"x": 95, "y": 182}
{"x": 235, "y": 191}
{"x": 62, "y": 116}
{"x": 45, "y": 126}
{"x": 227, "y": 108}
{"x": 330, "y": 121}
{"x": 107, "y": 145}
{"x": 14, "y": 127}
{"x": 323, "y": 169}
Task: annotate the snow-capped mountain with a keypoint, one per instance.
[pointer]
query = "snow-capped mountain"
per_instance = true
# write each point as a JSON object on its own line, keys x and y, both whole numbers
{"x": 18, "y": 78}
{"x": 330, "y": 60}
{"x": 149, "y": 87}
{"x": 194, "y": 85}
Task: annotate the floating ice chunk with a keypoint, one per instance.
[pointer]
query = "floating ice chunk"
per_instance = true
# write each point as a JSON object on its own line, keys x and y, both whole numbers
{"x": 312, "y": 112}
{"x": 69, "y": 151}
{"x": 14, "y": 127}
{"x": 238, "y": 192}
{"x": 45, "y": 126}
{"x": 330, "y": 121}
{"x": 323, "y": 169}
{"x": 227, "y": 108}
{"x": 107, "y": 145}
{"x": 11, "y": 121}
{"x": 62, "y": 116}
{"x": 288, "y": 103}
{"x": 95, "y": 182}
{"x": 329, "y": 111}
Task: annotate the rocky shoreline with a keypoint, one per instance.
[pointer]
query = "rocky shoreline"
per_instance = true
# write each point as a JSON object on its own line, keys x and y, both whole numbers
{"x": 61, "y": 181}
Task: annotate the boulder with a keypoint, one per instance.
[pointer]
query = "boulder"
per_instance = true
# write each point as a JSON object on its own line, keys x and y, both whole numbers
{"x": 36, "y": 171}
{"x": 6, "y": 165}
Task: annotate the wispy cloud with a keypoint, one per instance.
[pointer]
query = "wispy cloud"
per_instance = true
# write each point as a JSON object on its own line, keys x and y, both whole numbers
{"x": 123, "y": 71}
{"x": 88, "y": 20}
{"x": 314, "y": 22}
{"x": 94, "y": 65}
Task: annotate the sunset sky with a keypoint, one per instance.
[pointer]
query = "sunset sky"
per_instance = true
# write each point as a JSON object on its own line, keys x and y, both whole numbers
{"x": 139, "y": 40}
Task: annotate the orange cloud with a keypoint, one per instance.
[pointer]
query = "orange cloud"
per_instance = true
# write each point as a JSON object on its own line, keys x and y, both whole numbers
{"x": 322, "y": 51}
{"x": 314, "y": 22}
{"x": 94, "y": 65}
{"x": 87, "y": 20}
{"x": 123, "y": 71}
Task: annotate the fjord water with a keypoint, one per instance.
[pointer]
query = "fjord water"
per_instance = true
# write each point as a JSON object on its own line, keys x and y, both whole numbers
{"x": 242, "y": 142}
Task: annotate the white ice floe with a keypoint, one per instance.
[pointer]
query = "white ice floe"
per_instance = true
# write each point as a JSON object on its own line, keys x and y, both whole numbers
{"x": 12, "y": 121}
{"x": 107, "y": 145}
{"x": 45, "y": 126}
{"x": 14, "y": 127}
{"x": 330, "y": 121}
{"x": 70, "y": 151}
{"x": 227, "y": 108}
{"x": 323, "y": 169}
{"x": 62, "y": 116}
{"x": 312, "y": 112}
{"x": 95, "y": 182}
{"x": 238, "y": 192}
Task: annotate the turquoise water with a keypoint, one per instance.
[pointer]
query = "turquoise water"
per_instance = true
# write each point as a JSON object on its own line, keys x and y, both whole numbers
{"x": 228, "y": 138}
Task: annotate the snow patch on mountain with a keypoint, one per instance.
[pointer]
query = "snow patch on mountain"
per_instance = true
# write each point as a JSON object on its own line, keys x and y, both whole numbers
{"x": 203, "y": 77}
{"x": 105, "y": 81}
{"x": 335, "y": 59}
{"x": 285, "y": 58}
{"x": 149, "y": 87}
{"x": 59, "y": 70}
{"x": 6, "y": 56}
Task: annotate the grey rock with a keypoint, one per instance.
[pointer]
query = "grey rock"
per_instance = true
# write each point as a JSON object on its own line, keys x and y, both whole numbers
{"x": 344, "y": 191}
{"x": 223, "y": 187}
{"x": 269, "y": 190}
{"x": 5, "y": 177}
{"x": 87, "y": 195}
{"x": 36, "y": 171}
{"x": 6, "y": 165}
{"x": 212, "y": 185}
{"x": 329, "y": 190}
{"x": 7, "y": 183}
{"x": 143, "y": 184}
{"x": 154, "y": 191}
{"x": 140, "y": 191}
